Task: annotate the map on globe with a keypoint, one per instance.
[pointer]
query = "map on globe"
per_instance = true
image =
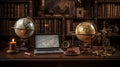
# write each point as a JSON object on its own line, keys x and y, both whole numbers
{"x": 24, "y": 27}
{"x": 84, "y": 31}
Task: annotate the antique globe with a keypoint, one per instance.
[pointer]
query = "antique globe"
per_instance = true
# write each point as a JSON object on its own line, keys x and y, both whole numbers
{"x": 24, "y": 28}
{"x": 85, "y": 32}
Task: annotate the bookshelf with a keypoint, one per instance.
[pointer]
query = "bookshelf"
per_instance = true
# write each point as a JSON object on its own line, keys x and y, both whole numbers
{"x": 61, "y": 22}
{"x": 108, "y": 11}
{"x": 14, "y": 9}
{"x": 48, "y": 25}
{"x": 10, "y": 12}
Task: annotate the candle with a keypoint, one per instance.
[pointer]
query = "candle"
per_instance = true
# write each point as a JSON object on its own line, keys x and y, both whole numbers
{"x": 12, "y": 44}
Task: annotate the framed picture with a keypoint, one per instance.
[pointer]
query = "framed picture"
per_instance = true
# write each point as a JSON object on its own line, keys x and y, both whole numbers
{"x": 80, "y": 12}
{"x": 60, "y": 7}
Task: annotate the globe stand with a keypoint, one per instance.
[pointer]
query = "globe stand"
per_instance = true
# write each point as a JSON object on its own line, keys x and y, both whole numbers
{"x": 23, "y": 46}
{"x": 86, "y": 48}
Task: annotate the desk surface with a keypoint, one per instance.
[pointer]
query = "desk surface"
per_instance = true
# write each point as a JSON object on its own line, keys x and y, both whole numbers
{"x": 54, "y": 57}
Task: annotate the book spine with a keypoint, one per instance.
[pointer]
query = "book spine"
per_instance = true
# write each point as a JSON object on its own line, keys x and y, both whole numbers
{"x": 30, "y": 8}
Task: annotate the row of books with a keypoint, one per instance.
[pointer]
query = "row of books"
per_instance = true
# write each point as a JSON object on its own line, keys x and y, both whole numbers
{"x": 14, "y": 9}
{"x": 109, "y": 10}
{"x": 48, "y": 26}
{"x": 6, "y": 27}
{"x": 8, "y": 1}
{"x": 109, "y": 1}
{"x": 69, "y": 27}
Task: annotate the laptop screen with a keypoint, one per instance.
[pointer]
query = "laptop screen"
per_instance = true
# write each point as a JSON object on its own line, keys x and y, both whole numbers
{"x": 46, "y": 41}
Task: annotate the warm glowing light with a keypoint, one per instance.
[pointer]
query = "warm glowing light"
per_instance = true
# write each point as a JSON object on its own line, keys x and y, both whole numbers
{"x": 46, "y": 25}
{"x": 13, "y": 39}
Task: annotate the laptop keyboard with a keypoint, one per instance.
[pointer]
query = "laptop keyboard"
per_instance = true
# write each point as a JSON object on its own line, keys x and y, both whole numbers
{"x": 48, "y": 49}
{"x": 39, "y": 51}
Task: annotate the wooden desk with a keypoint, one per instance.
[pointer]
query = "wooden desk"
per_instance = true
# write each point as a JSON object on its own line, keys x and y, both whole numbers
{"x": 59, "y": 60}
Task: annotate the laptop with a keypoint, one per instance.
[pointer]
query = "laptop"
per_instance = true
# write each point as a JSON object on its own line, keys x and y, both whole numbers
{"x": 47, "y": 44}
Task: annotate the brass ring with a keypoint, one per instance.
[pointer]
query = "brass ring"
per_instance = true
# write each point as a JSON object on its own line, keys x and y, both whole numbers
{"x": 65, "y": 44}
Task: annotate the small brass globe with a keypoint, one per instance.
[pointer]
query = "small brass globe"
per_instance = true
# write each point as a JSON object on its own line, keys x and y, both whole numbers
{"x": 85, "y": 31}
